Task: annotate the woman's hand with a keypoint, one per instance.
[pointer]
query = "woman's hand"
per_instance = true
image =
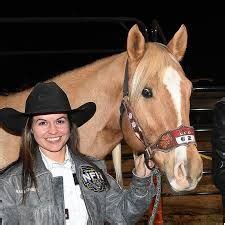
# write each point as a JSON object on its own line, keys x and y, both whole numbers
{"x": 141, "y": 169}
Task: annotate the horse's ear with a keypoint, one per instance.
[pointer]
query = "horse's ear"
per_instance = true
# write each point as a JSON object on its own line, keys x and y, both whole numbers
{"x": 135, "y": 43}
{"x": 178, "y": 43}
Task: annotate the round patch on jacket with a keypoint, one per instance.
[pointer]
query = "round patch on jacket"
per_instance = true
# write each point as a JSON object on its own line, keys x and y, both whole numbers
{"x": 92, "y": 179}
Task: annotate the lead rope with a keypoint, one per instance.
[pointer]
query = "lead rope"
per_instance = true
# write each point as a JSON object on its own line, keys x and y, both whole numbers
{"x": 139, "y": 134}
{"x": 156, "y": 173}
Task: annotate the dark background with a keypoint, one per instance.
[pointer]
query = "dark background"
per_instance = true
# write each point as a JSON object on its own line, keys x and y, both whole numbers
{"x": 34, "y": 51}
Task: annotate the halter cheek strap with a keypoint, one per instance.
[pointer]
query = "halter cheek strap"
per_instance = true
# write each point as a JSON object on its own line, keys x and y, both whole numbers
{"x": 183, "y": 135}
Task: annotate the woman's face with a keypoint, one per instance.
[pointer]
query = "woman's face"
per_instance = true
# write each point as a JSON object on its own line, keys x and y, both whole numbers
{"x": 51, "y": 132}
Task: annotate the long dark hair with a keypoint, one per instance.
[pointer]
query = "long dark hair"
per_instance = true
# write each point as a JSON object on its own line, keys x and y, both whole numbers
{"x": 27, "y": 157}
{"x": 28, "y": 149}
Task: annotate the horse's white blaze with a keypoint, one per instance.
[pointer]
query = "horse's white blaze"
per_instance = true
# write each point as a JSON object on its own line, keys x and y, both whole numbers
{"x": 172, "y": 82}
{"x": 180, "y": 155}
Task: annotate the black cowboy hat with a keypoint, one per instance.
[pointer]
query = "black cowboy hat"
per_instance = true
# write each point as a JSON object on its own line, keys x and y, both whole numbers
{"x": 45, "y": 98}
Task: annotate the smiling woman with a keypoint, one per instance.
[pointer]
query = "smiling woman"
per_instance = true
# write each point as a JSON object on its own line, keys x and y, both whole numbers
{"x": 52, "y": 182}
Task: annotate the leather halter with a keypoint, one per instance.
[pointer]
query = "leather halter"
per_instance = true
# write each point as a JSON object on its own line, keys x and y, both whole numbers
{"x": 169, "y": 140}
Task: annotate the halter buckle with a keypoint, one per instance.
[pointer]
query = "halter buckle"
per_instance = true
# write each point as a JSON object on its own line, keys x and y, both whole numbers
{"x": 148, "y": 153}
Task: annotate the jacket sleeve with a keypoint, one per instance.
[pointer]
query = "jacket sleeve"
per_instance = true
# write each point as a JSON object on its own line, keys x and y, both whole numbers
{"x": 127, "y": 206}
{"x": 8, "y": 207}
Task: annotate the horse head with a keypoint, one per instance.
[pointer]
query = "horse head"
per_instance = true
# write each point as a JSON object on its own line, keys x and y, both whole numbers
{"x": 157, "y": 108}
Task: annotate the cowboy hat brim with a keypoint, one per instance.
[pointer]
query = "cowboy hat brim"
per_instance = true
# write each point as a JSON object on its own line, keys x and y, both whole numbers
{"x": 14, "y": 121}
{"x": 83, "y": 113}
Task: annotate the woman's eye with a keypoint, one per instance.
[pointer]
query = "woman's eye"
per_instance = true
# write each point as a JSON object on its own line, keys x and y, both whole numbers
{"x": 147, "y": 92}
{"x": 41, "y": 123}
{"x": 61, "y": 121}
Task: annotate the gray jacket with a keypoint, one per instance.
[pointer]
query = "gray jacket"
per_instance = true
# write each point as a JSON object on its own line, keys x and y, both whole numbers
{"x": 45, "y": 206}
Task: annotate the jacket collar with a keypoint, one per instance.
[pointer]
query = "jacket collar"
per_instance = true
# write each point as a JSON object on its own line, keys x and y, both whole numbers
{"x": 40, "y": 166}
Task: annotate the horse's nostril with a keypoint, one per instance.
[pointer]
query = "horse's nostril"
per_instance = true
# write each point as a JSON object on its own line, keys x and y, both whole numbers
{"x": 179, "y": 171}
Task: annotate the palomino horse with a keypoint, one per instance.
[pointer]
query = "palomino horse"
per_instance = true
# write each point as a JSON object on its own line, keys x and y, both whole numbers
{"x": 157, "y": 105}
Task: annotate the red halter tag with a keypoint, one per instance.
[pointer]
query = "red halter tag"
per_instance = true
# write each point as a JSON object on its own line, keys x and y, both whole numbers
{"x": 183, "y": 135}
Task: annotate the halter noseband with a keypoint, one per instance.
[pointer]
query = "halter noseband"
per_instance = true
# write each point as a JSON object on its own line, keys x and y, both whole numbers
{"x": 183, "y": 135}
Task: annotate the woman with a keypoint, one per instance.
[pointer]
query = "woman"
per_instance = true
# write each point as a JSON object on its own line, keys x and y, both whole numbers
{"x": 51, "y": 182}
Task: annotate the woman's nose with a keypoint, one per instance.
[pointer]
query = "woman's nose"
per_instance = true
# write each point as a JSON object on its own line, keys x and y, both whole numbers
{"x": 52, "y": 129}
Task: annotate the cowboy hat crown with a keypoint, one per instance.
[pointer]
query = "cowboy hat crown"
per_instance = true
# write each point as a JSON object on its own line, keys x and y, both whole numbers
{"x": 45, "y": 98}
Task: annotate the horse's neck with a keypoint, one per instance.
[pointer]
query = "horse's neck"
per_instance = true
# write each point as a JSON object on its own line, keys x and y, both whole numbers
{"x": 102, "y": 83}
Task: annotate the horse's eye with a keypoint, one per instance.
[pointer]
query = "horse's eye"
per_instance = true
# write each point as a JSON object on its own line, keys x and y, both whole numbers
{"x": 147, "y": 92}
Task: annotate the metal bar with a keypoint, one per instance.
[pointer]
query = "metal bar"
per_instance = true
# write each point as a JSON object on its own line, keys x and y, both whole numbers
{"x": 207, "y": 172}
{"x": 203, "y": 129}
{"x": 201, "y": 109}
{"x": 70, "y": 20}
{"x": 61, "y": 52}
{"x": 120, "y": 20}
{"x": 191, "y": 193}
{"x": 205, "y": 151}
{"x": 209, "y": 88}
